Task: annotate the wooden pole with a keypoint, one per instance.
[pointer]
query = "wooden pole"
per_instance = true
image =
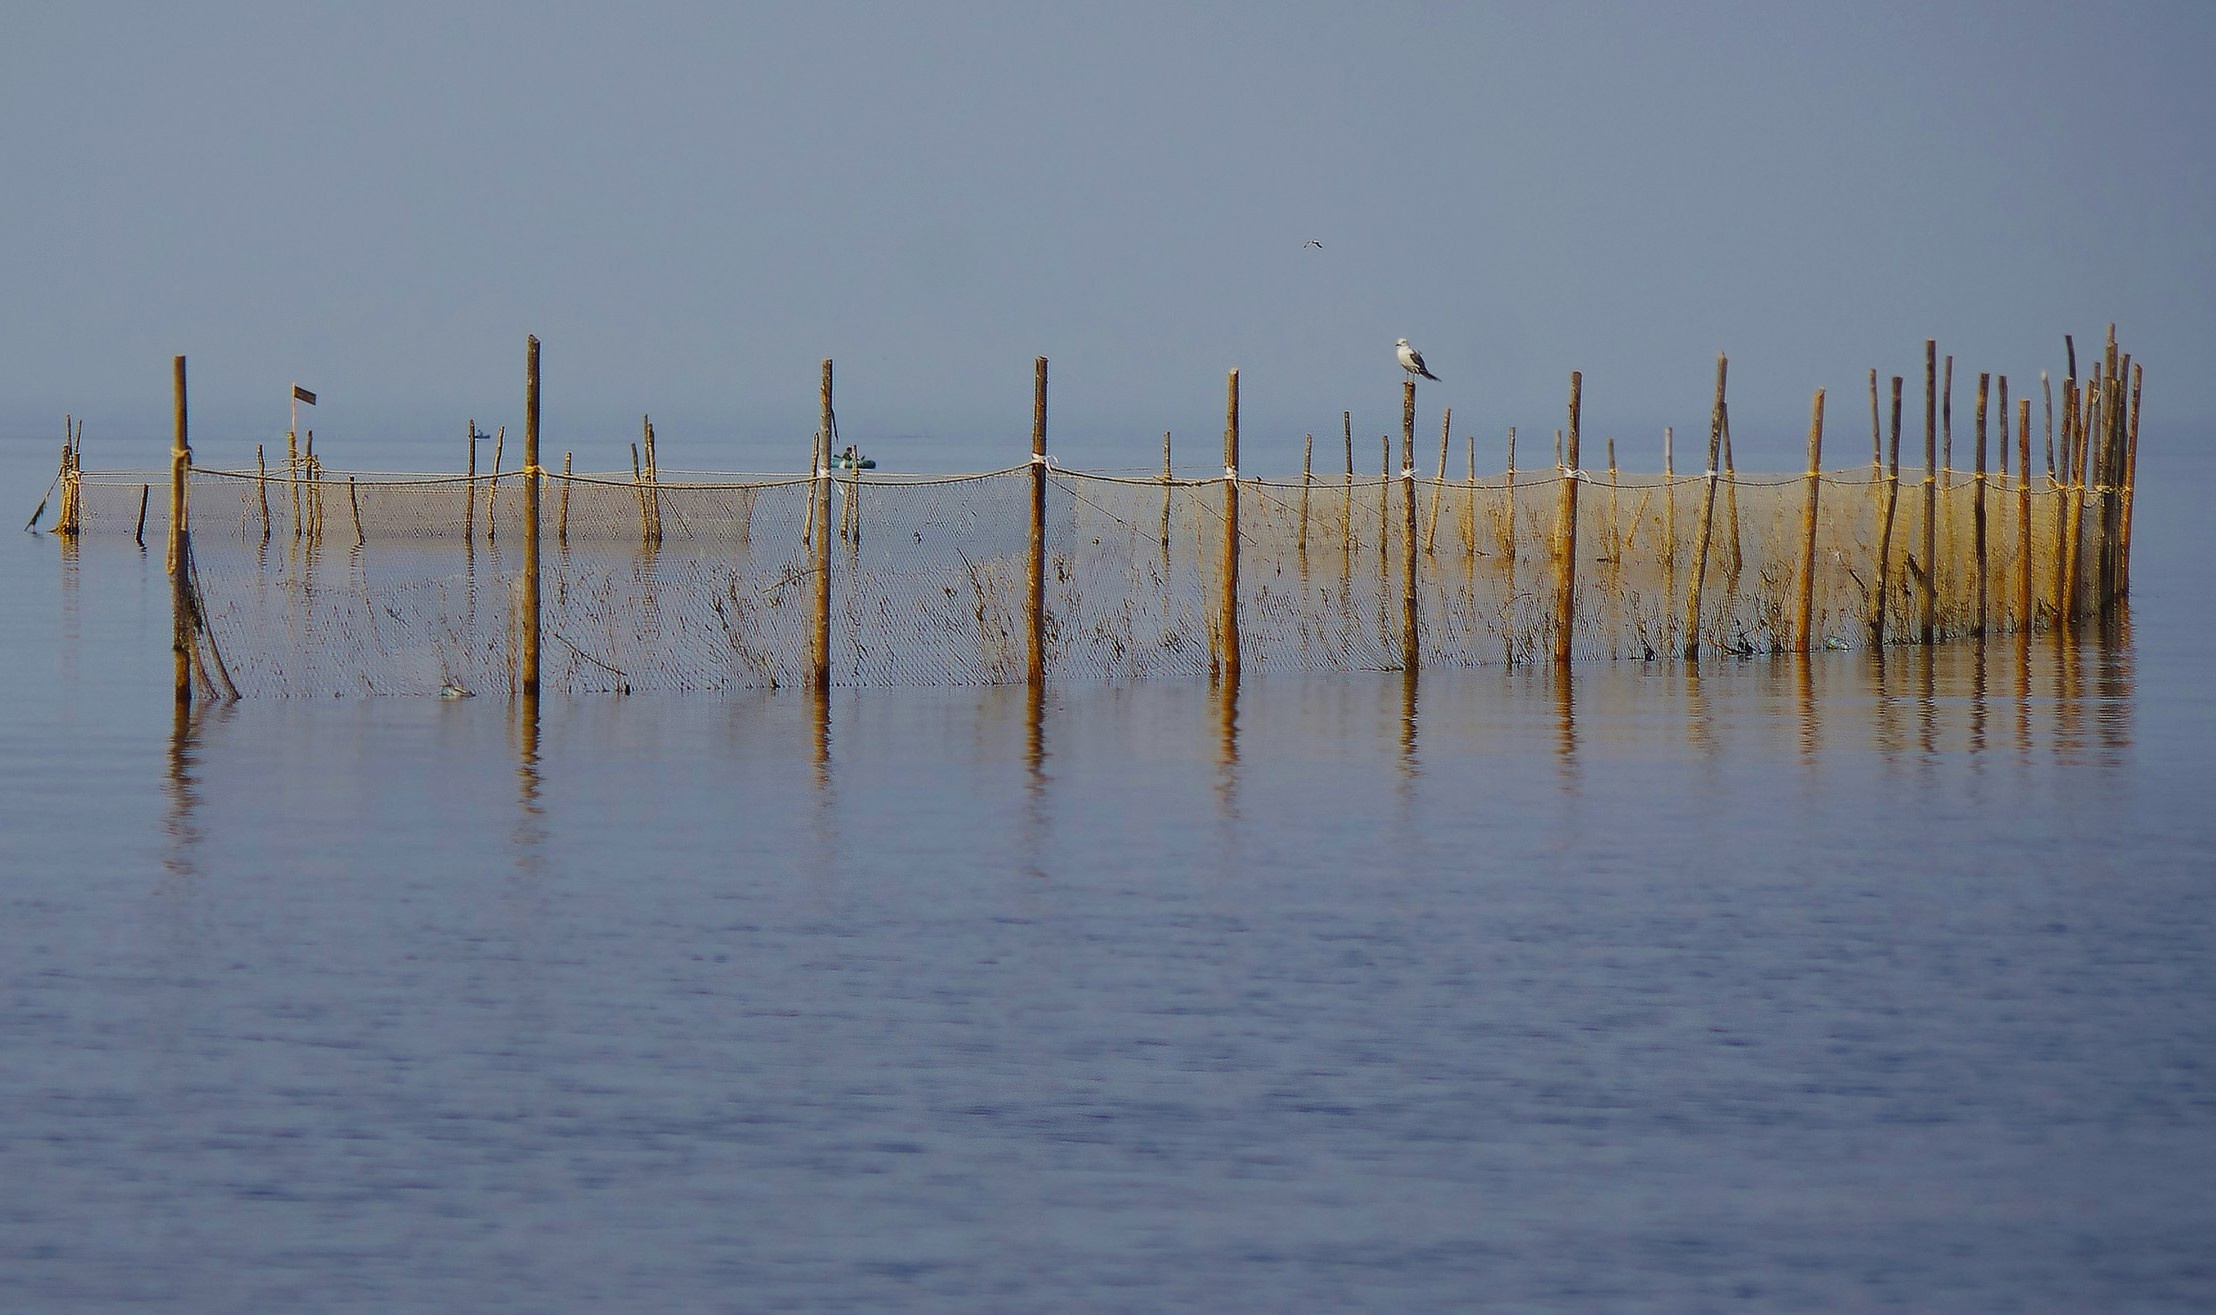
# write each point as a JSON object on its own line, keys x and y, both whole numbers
{"x": 562, "y": 530}
{"x": 2131, "y": 471}
{"x": 1410, "y": 640}
{"x": 653, "y": 484}
{"x": 469, "y": 487}
{"x": 2025, "y": 620}
{"x": 1035, "y": 613}
{"x": 1307, "y": 482}
{"x": 354, "y": 500}
{"x": 531, "y": 631}
{"x": 2000, "y": 383}
{"x": 1891, "y": 503}
{"x": 1346, "y": 430}
{"x": 1707, "y": 515}
{"x": 1731, "y": 499}
{"x": 1669, "y": 504}
{"x": 1977, "y": 510}
{"x": 261, "y": 482}
{"x": 820, "y": 544}
{"x": 2065, "y": 558}
{"x": 1565, "y": 520}
{"x": 492, "y": 485}
{"x": 1439, "y": 493}
{"x": 1929, "y": 593}
{"x": 180, "y": 540}
{"x": 1804, "y": 612}
{"x": 1167, "y": 476}
{"x": 292, "y": 476}
{"x": 1230, "y": 614}
{"x": 146, "y": 495}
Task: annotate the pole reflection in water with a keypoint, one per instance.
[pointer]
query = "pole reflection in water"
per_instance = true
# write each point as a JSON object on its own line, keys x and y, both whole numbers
{"x": 180, "y": 786}
{"x": 826, "y": 784}
{"x": 530, "y": 832}
{"x": 1227, "y": 749}
{"x": 1565, "y": 727}
{"x": 1804, "y": 704}
{"x": 1035, "y": 828}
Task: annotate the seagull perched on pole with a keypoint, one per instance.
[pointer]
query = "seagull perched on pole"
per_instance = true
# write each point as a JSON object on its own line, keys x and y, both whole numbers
{"x": 1411, "y": 360}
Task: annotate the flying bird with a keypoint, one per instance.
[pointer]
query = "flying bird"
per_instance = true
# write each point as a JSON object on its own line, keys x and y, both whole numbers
{"x": 1411, "y": 360}
{"x": 1311, "y": 242}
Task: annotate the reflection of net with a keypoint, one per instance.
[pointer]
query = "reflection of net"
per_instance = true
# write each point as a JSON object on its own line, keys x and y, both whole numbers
{"x": 385, "y": 584}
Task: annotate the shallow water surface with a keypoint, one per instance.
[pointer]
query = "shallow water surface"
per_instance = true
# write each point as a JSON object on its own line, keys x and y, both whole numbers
{"x": 1850, "y": 985}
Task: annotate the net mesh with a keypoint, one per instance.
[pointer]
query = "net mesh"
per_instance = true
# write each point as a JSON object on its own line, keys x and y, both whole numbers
{"x": 389, "y": 584}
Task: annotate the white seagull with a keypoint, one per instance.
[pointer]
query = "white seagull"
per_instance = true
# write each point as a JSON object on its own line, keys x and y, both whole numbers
{"x": 1411, "y": 360}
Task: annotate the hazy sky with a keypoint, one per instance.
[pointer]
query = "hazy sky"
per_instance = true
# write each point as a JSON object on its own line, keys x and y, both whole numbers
{"x": 694, "y": 204}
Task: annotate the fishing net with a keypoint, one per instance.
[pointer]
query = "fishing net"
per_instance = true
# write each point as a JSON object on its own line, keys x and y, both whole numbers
{"x": 318, "y": 584}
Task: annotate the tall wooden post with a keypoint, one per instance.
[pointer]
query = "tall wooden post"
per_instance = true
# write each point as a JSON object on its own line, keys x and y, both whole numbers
{"x": 2025, "y": 619}
{"x": 180, "y": 540}
{"x": 1230, "y": 614}
{"x": 819, "y": 677}
{"x": 1035, "y": 663}
{"x": 1707, "y": 515}
{"x": 1929, "y": 594}
{"x": 1977, "y": 511}
{"x": 530, "y": 662}
{"x": 1409, "y": 635}
{"x": 1565, "y": 564}
{"x": 1804, "y": 611}
{"x": 1890, "y": 500}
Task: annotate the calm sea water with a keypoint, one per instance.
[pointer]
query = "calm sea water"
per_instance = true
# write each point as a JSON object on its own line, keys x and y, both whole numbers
{"x": 1856, "y": 986}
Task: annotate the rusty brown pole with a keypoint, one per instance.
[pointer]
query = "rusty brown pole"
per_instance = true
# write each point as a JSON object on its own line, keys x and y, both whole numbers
{"x": 1927, "y": 629}
{"x": 180, "y": 540}
{"x": 1409, "y": 638}
{"x": 1035, "y": 660}
{"x": 1804, "y": 611}
{"x": 1707, "y": 515}
{"x": 1977, "y": 510}
{"x": 531, "y": 632}
{"x": 1230, "y": 608}
{"x": 1891, "y": 504}
{"x": 819, "y": 675}
{"x": 1565, "y": 519}
{"x": 2025, "y": 619}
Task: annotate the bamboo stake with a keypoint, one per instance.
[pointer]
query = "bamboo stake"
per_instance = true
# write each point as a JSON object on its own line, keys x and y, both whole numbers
{"x": 638, "y": 495}
{"x": 2001, "y": 383}
{"x": 292, "y": 477}
{"x": 1384, "y": 507}
{"x": 1035, "y": 600}
{"x": 820, "y": 544}
{"x": 1508, "y": 533}
{"x": 469, "y": 496}
{"x": 2065, "y": 558}
{"x": 1230, "y": 614}
{"x": 1669, "y": 504}
{"x": 1891, "y": 503}
{"x": 1731, "y": 498}
{"x": 1346, "y": 427}
{"x": 1929, "y": 594}
{"x": 146, "y": 494}
{"x": 653, "y": 484}
{"x": 2026, "y": 621}
{"x": 1439, "y": 493}
{"x": 531, "y": 620}
{"x": 2131, "y": 470}
{"x": 1707, "y": 515}
{"x": 1977, "y": 510}
{"x": 1307, "y": 482}
{"x": 354, "y": 500}
{"x": 492, "y": 486}
{"x": 1805, "y": 611}
{"x": 1166, "y": 478}
{"x": 1615, "y": 537}
{"x": 261, "y": 482}
{"x": 1410, "y": 640}
{"x": 562, "y": 533}
{"x": 1565, "y": 565}
{"x": 180, "y": 541}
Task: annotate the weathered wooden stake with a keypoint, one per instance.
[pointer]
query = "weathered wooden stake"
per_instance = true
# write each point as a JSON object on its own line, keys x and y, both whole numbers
{"x": 531, "y": 628}
{"x": 1804, "y": 612}
{"x": 1439, "y": 493}
{"x": 1890, "y": 500}
{"x": 1731, "y": 499}
{"x": 2131, "y": 470}
{"x": 1977, "y": 509}
{"x": 1307, "y": 482}
{"x": 1230, "y": 612}
{"x": 2026, "y": 621}
{"x": 1035, "y": 604}
{"x": 469, "y": 490}
{"x": 562, "y": 530}
{"x": 1928, "y": 595}
{"x": 180, "y": 541}
{"x": 820, "y": 545}
{"x": 1707, "y": 515}
{"x": 1410, "y": 638}
{"x": 146, "y": 494}
{"x": 1565, "y": 520}
{"x": 492, "y": 485}
{"x": 354, "y": 500}
{"x": 261, "y": 482}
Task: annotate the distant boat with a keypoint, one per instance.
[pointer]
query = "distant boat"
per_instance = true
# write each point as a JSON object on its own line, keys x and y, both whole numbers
{"x": 852, "y": 460}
